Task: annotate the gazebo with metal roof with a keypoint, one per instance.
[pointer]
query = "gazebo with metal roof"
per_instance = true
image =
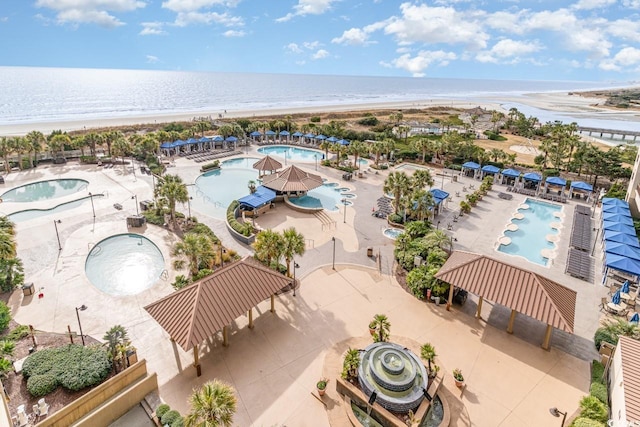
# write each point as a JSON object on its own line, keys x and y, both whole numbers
{"x": 267, "y": 163}
{"x": 199, "y": 311}
{"x": 521, "y": 290}
{"x": 292, "y": 180}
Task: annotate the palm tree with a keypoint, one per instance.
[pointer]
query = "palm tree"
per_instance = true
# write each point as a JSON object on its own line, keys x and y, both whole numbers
{"x": 213, "y": 405}
{"x": 428, "y": 353}
{"x": 36, "y": 140}
{"x": 381, "y": 325}
{"x": 121, "y": 147}
{"x": 398, "y": 184}
{"x": 378, "y": 148}
{"x": 325, "y": 145}
{"x": 57, "y": 143}
{"x": 421, "y": 178}
{"x": 422, "y": 145}
{"x": 292, "y": 244}
{"x": 20, "y": 146}
{"x": 439, "y": 239}
{"x": 422, "y": 203}
{"x": 268, "y": 246}
{"x": 198, "y": 248}
{"x": 173, "y": 190}
{"x": 358, "y": 148}
{"x": 5, "y": 150}
{"x": 117, "y": 343}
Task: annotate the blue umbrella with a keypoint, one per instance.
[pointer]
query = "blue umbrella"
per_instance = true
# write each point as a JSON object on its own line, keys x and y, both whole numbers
{"x": 616, "y": 297}
{"x": 635, "y": 318}
{"x": 625, "y": 287}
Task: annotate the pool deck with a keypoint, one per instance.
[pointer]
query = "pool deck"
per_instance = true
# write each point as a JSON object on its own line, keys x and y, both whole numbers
{"x": 274, "y": 367}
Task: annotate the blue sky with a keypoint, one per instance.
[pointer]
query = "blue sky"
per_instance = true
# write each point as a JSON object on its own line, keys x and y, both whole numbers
{"x": 596, "y": 40}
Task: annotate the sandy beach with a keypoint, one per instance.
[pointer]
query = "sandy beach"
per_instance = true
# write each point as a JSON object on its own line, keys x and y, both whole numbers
{"x": 561, "y": 102}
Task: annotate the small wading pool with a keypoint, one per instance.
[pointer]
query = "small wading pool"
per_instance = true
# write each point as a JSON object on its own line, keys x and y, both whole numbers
{"x": 392, "y": 233}
{"x": 124, "y": 264}
{"x": 44, "y": 190}
{"x": 328, "y": 196}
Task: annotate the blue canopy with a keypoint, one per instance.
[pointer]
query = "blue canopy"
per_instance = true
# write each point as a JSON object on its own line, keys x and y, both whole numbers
{"x": 255, "y": 133}
{"x": 471, "y": 165}
{"x": 635, "y": 318}
{"x": 556, "y": 180}
{"x": 297, "y": 134}
{"x": 511, "y": 173}
{"x": 179, "y": 143}
{"x": 616, "y": 226}
{"x": 625, "y": 287}
{"x": 231, "y": 138}
{"x": 217, "y": 138}
{"x": 613, "y": 201}
{"x": 532, "y": 176}
{"x": 438, "y": 195}
{"x": 284, "y": 133}
{"x": 270, "y": 133}
{"x": 581, "y": 185}
{"x": 616, "y": 297}
{"x": 490, "y": 169}
{"x": 616, "y": 236}
{"x": 166, "y": 145}
{"x": 332, "y": 139}
{"x": 624, "y": 264}
{"x": 309, "y": 135}
{"x": 261, "y": 196}
{"x": 321, "y": 137}
{"x": 621, "y": 249}
{"x": 614, "y": 217}
{"x": 204, "y": 139}
{"x": 343, "y": 142}
{"x": 622, "y": 210}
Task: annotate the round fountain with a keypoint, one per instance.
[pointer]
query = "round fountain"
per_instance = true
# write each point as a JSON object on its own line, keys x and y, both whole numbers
{"x": 392, "y": 376}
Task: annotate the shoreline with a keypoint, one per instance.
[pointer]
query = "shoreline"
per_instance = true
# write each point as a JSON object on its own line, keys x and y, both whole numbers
{"x": 550, "y": 101}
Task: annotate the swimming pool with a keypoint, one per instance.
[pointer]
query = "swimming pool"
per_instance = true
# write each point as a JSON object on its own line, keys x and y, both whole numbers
{"x": 328, "y": 196}
{"x": 295, "y": 154}
{"x": 240, "y": 162}
{"x": 216, "y": 189}
{"x": 529, "y": 240}
{"x": 392, "y": 233}
{"x": 37, "y": 213}
{"x": 44, "y": 190}
{"x": 124, "y": 264}
{"x": 412, "y": 167}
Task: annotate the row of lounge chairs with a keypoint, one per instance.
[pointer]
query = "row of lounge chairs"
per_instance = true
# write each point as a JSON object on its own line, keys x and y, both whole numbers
{"x": 384, "y": 208}
{"x": 581, "y": 232}
{"x": 525, "y": 191}
{"x": 554, "y": 197}
{"x": 579, "y": 264}
{"x": 287, "y": 142}
{"x": 218, "y": 155}
{"x": 505, "y": 196}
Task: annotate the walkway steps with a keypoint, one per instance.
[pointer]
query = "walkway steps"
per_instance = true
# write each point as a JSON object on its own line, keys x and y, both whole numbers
{"x": 326, "y": 221}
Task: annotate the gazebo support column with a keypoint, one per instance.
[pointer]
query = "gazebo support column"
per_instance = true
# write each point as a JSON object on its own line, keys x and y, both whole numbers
{"x": 512, "y": 318}
{"x": 546, "y": 343}
{"x": 196, "y": 361}
{"x": 450, "y": 299}
{"x": 225, "y": 336}
{"x": 273, "y": 303}
{"x": 479, "y": 310}
{"x": 251, "y": 318}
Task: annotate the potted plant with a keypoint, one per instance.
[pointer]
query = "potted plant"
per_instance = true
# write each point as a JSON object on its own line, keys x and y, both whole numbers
{"x": 350, "y": 365}
{"x": 322, "y": 386}
{"x": 372, "y": 327}
{"x": 458, "y": 377}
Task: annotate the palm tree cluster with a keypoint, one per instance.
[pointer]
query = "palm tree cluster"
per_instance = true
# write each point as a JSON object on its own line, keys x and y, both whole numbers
{"x": 271, "y": 247}
{"x": 212, "y": 405}
{"x": 409, "y": 194}
{"x": 118, "y": 345}
{"x": 169, "y": 191}
{"x": 10, "y": 265}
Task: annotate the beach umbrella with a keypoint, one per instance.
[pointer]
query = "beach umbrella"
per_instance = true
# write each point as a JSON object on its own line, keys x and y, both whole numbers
{"x": 625, "y": 287}
{"x": 616, "y": 297}
{"x": 321, "y": 137}
{"x": 343, "y": 142}
{"x": 255, "y": 133}
{"x": 332, "y": 139}
{"x": 635, "y": 318}
{"x": 556, "y": 180}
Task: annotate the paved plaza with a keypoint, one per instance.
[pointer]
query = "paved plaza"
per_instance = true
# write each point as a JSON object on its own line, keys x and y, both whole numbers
{"x": 274, "y": 367}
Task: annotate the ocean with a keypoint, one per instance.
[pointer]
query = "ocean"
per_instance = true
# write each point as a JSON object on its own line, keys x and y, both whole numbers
{"x": 44, "y": 95}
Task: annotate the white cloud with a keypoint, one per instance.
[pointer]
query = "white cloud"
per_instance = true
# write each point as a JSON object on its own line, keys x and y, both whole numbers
{"x": 186, "y": 18}
{"x": 307, "y": 7}
{"x": 353, "y": 36}
{"x": 433, "y": 25}
{"x": 625, "y": 29}
{"x": 320, "y": 54}
{"x": 193, "y": 5}
{"x": 592, "y": 4}
{"x": 632, "y": 4}
{"x": 627, "y": 59}
{"x": 90, "y": 11}
{"x": 418, "y": 64}
{"x": 4, "y": 18}
{"x": 152, "y": 59}
{"x": 508, "y": 49}
{"x": 152, "y": 29}
{"x": 234, "y": 33}
{"x": 311, "y": 45}
{"x": 293, "y": 48}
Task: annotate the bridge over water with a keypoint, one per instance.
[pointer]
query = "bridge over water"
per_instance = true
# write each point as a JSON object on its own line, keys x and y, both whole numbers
{"x": 611, "y": 133}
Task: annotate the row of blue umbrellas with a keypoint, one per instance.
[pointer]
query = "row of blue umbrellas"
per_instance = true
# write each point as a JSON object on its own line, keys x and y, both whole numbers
{"x": 319, "y": 137}
{"x": 617, "y": 297}
{"x": 204, "y": 139}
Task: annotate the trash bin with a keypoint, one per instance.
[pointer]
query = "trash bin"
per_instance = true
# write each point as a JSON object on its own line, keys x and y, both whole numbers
{"x": 28, "y": 289}
{"x": 369, "y": 252}
{"x": 455, "y": 178}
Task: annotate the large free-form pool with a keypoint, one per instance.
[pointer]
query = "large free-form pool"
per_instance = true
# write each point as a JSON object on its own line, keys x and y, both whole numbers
{"x": 530, "y": 237}
{"x": 216, "y": 189}
{"x": 124, "y": 264}
{"x": 44, "y": 190}
{"x": 295, "y": 154}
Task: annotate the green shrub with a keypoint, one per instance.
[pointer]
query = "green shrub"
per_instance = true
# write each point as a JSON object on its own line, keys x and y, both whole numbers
{"x": 180, "y": 282}
{"x": 586, "y": 422}
{"x": 169, "y": 417}
{"x": 209, "y": 166}
{"x": 41, "y": 385}
{"x": 368, "y": 121}
{"x": 396, "y": 218}
{"x": 605, "y": 334}
{"x": 162, "y": 409}
{"x": 179, "y": 422}
{"x": 18, "y": 333}
{"x": 5, "y": 316}
{"x": 200, "y": 228}
{"x": 315, "y": 119}
{"x": 73, "y": 366}
{"x": 599, "y": 390}
{"x": 418, "y": 280}
{"x": 153, "y": 218}
{"x": 593, "y": 408}
{"x": 597, "y": 371}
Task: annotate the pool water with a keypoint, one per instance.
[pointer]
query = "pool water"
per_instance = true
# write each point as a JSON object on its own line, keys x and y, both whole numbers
{"x": 44, "y": 190}
{"x": 328, "y": 196}
{"x": 37, "y": 213}
{"x": 216, "y": 189}
{"x": 240, "y": 162}
{"x": 530, "y": 237}
{"x": 295, "y": 154}
{"x": 392, "y": 233}
{"x": 124, "y": 264}
{"x": 411, "y": 167}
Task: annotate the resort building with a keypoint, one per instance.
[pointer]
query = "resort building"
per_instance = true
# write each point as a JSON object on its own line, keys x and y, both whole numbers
{"x": 624, "y": 383}
{"x": 633, "y": 191}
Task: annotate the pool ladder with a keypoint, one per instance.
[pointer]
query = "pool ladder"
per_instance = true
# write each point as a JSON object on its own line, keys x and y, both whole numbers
{"x": 164, "y": 275}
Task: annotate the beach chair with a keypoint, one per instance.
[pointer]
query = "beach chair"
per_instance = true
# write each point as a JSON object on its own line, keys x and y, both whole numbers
{"x": 603, "y": 304}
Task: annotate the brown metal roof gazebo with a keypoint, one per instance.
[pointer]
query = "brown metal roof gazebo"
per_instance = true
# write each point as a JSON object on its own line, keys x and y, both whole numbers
{"x": 521, "y": 290}
{"x": 292, "y": 179}
{"x": 265, "y": 164}
{"x": 199, "y": 311}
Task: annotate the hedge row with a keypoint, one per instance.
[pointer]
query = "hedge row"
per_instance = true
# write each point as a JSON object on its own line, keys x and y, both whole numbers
{"x": 169, "y": 417}
{"x": 244, "y": 229}
{"x": 208, "y": 166}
